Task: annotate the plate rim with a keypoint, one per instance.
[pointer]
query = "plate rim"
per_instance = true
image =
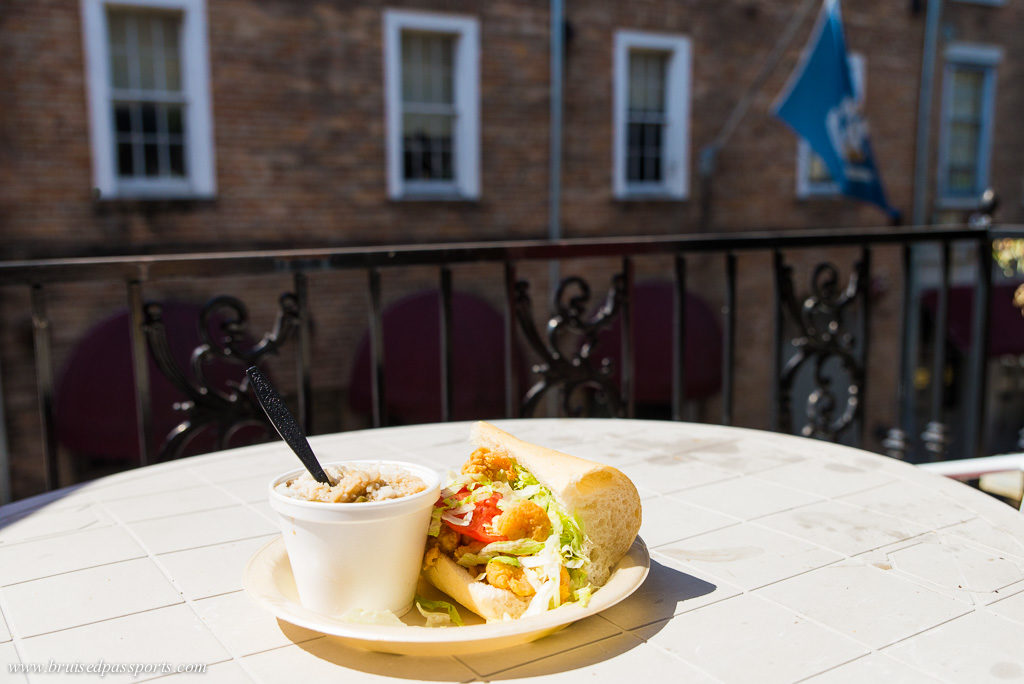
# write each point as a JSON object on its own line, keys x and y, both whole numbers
{"x": 411, "y": 634}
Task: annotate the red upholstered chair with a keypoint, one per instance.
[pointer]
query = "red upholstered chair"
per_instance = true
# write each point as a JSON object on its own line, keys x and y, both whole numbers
{"x": 94, "y": 395}
{"x": 412, "y": 361}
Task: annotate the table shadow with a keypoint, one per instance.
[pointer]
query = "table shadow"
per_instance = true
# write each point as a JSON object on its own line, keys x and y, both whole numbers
{"x": 633, "y": 621}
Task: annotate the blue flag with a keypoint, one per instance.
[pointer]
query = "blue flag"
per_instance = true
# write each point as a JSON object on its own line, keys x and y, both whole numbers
{"x": 820, "y": 104}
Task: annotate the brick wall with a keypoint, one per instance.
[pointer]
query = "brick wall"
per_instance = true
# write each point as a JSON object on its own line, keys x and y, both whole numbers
{"x": 299, "y": 132}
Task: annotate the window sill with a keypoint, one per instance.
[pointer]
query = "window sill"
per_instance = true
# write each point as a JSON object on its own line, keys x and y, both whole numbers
{"x": 415, "y": 197}
{"x": 821, "y": 195}
{"x": 634, "y": 198}
{"x": 962, "y": 203}
{"x": 153, "y": 190}
{"x": 151, "y": 202}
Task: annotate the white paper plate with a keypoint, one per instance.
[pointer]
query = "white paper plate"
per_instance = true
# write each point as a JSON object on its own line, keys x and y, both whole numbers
{"x": 268, "y": 579}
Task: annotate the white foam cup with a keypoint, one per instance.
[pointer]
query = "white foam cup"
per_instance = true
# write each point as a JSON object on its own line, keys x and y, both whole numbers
{"x": 357, "y": 556}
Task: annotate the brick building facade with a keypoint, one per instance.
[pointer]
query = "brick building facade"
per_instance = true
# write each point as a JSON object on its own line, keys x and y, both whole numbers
{"x": 297, "y": 101}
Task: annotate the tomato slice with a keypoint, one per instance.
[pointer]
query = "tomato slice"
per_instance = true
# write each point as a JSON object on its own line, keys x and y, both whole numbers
{"x": 484, "y": 512}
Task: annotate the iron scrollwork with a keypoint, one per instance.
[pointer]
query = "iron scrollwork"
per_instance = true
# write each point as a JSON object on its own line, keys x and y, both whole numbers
{"x": 821, "y": 318}
{"x": 225, "y": 409}
{"x": 565, "y": 350}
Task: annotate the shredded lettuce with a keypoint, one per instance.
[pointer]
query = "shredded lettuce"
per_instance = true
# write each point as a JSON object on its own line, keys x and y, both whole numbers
{"x": 435, "y": 522}
{"x": 574, "y": 544}
{"x": 567, "y": 546}
{"x": 438, "y": 613}
{"x": 468, "y": 560}
{"x": 516, "y": 547}
{"x": 582, "y": 595}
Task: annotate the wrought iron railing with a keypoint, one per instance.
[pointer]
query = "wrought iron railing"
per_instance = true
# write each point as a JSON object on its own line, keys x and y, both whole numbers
{"x": 823, "y": 336}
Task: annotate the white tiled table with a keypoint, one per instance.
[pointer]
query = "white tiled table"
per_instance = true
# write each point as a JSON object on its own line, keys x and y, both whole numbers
{"x": 773, "y": 558}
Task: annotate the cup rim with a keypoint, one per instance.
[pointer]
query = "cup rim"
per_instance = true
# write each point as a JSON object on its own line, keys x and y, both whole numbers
{"x": 433, "y": 486}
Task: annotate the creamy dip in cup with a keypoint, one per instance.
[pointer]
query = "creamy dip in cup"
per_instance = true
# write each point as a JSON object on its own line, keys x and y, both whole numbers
{"x": 363, "y": 554}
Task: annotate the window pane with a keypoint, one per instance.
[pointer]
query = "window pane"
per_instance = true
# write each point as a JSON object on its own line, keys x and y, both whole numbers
{"x": 427, "y": 146}
{"x": 149, "y": 126}
{"x": 172, "y": 74}
{"x": 963, "y": 143}
{"x": 117, "y": 31}
{"x": 175, "y": 125}
{"x": 177, "y": 159}
{"x": 965, "y": 126}
{"x": 119, "y": 71}
{"x": 145, "y": 49}
{"x": 967, "y": 89}
{"x": 147, "y": 26}
{"x": 125, "y": 167}
{"x": 817, "y": 171}
{"x": 427, "y": 67}
{"x": 645, "y": 146}
{"x": 172, "y": 71}
{"x": 122, "y": 118}
{"x": 962, "y": 181}
{"x": 647, "y": 82}
{"x": 152, "y": 158}
{"x": 646, "y": 116}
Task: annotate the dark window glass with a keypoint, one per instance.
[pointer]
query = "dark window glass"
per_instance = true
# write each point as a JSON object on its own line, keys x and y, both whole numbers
{"x": 645, "y": 116}
{"x": 122, "y": 118}
{"x": 125, "y": 161}
{"x": 149, "y": 118}
{"x": 148, "y": 102}
{"x": 152, "y": 157}
{"x": 965, "y": 128}
{"x": 428, "y": 105}
{"x": 174, "y": 120}
{"x": 177, "y": 159}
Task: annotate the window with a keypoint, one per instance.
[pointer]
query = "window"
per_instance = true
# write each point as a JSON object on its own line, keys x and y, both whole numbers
{"x": 651, "y": 114}
{"x": 149, "y": 100}
{"x": 813, "y": 179}
{"x": 968, "y": 99}
{"x": 433, "y": 110}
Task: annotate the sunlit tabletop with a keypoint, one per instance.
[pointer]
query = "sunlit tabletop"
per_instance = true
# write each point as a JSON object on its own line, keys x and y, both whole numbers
{"x": 773, "y": 558}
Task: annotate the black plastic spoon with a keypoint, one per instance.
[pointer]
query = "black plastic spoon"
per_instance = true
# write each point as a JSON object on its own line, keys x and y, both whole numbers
{"x": 285, "y": 424}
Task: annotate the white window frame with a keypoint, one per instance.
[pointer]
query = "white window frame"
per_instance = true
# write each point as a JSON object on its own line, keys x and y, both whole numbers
{"x": 989, "y": 3}
{"x": 675, "y": 184}
{"x": 466, "y": 82}
{"x": 200, "y": 180}
{"x": 967, "y": 54}
{"x": 805, "y": 187}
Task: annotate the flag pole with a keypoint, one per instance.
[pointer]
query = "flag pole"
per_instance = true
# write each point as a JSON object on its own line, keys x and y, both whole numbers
{"x": 709, "y": 153}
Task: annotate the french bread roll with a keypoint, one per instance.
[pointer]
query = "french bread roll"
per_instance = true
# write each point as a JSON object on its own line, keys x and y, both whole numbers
{"x": 602, "y": 497}
{"x": 490, "y": 603}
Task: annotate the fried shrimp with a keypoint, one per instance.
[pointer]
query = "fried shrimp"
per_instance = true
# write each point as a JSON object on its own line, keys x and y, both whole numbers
{"x": 492, "y": 465}
{"x": 509, "y": 577}
{"x": 447, "y": 539}
{"x": 431, "y": 556}
{"x": 524, "y": 519}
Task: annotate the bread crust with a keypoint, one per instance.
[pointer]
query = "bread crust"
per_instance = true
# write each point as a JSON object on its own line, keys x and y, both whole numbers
{"x": 602, "y": 497}
{"x": 604, "y": 500}
{"x": 491, "y": 603}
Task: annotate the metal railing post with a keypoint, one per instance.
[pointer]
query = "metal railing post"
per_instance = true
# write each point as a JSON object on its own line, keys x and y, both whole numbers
{"x": 140, "y": 369}
{"x": 975, "y": 436}
{"x": 936, "y": 434}
{"x": 303, "y": 356}
{"x": 43, "y": 349}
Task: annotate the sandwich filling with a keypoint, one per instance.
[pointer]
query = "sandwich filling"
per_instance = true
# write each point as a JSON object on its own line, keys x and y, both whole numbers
{"x": 508, "y": 530}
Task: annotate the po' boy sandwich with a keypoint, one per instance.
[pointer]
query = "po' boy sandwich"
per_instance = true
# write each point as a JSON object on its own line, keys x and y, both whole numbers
{"x": 523, "y": 529}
